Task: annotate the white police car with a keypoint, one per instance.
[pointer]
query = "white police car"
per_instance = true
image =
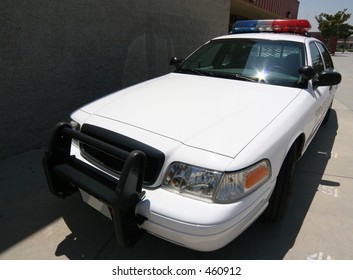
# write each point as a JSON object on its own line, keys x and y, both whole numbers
{"x": 197, "y": 155}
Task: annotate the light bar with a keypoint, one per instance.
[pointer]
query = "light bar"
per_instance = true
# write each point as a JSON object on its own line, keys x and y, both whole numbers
{"x": 297, "y": 26}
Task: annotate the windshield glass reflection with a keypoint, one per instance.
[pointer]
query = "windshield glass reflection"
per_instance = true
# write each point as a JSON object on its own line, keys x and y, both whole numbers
{"x": 253, "y": 60}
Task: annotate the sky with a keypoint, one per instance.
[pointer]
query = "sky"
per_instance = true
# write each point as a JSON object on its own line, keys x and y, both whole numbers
{"x": 308, "y": 9}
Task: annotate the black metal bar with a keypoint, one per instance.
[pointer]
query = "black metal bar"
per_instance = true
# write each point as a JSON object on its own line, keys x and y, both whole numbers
{"x": 66, "y": 174}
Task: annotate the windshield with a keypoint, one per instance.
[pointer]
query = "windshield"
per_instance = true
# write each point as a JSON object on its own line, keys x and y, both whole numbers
{"x": 254, "y": 60}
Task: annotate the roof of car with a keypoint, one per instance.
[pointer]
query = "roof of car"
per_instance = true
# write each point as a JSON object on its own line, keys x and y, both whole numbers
{"x": 268, "y": 36}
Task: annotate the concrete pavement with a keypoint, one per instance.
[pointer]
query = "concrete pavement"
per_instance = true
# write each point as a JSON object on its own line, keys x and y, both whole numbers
{"x": 318, "y": 225}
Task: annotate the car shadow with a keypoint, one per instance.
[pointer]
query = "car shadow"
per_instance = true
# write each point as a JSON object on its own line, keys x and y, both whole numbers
{"x": 93, "y": 237}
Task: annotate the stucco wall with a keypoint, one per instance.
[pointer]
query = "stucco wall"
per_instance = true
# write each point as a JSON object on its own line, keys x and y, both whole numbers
{"x": 58, "y": 55}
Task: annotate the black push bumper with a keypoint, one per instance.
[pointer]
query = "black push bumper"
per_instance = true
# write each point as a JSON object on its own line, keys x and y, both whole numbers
{"x": 66, "y": 174}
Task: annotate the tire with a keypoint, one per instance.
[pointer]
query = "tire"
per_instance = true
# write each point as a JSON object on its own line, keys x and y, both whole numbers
{"x": 279, "y": 199}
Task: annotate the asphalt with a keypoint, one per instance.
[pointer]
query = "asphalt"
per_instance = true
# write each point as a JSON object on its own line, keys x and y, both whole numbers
{"x": 318, "y": 225}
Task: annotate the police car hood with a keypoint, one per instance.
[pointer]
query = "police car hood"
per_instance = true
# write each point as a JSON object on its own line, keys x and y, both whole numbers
{"x": 214, "y": 114}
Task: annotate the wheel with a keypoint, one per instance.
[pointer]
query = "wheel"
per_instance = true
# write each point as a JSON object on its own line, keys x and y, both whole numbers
{"x": 279, "y": 199}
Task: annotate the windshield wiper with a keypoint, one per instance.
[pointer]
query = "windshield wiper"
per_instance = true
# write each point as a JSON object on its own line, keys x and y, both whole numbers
{"x": 237, "y": 76}
{"x": 194, "y": 71}
{"x": 200, "y": 72}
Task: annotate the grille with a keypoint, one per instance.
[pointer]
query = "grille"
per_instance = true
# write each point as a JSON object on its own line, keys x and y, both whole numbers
{"x": 154, "y": 160}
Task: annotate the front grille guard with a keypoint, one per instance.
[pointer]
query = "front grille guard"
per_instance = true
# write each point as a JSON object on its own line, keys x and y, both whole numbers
{"x": 66, "y": 174}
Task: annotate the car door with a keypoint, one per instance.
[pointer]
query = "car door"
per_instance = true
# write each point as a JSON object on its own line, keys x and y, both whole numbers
{"x": 321, "y": 61}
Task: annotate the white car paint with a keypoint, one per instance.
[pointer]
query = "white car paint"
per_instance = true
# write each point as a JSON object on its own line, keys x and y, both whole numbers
{"x": 186, "y": 109}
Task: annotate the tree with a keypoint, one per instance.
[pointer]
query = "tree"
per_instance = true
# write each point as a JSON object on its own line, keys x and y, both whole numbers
{"x": 334, "y": 26}
{"x": 345, "y": 32}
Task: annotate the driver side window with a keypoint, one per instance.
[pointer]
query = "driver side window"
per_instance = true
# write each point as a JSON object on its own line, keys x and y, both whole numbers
{"x": 316, "y": 58}
{"x": 326, "y": 56}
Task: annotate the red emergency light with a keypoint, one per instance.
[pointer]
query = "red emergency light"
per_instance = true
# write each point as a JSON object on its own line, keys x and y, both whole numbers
{"x": 297, "y": 26}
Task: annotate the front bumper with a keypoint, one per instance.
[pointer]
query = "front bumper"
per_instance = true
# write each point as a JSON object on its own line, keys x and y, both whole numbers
{"x": 196, "y": 224}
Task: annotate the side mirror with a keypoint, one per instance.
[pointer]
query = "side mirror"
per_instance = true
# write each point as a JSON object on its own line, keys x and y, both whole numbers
{"x": 327, "y": 78}
{"x": 307, "y": 72}
{"x": 174, "y": 61}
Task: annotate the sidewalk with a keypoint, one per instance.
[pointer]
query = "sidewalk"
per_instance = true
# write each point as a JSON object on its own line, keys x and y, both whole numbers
{"x": 319, "y": 223}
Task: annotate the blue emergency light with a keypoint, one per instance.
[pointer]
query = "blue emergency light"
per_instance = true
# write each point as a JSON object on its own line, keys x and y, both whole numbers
{"x": 297, "y": 26}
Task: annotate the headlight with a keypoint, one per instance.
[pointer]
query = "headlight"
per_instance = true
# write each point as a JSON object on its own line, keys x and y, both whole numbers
{"x": 192, "y": 180}
{"x": 238, "y": 184}
{"x": 213, "y": 185}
